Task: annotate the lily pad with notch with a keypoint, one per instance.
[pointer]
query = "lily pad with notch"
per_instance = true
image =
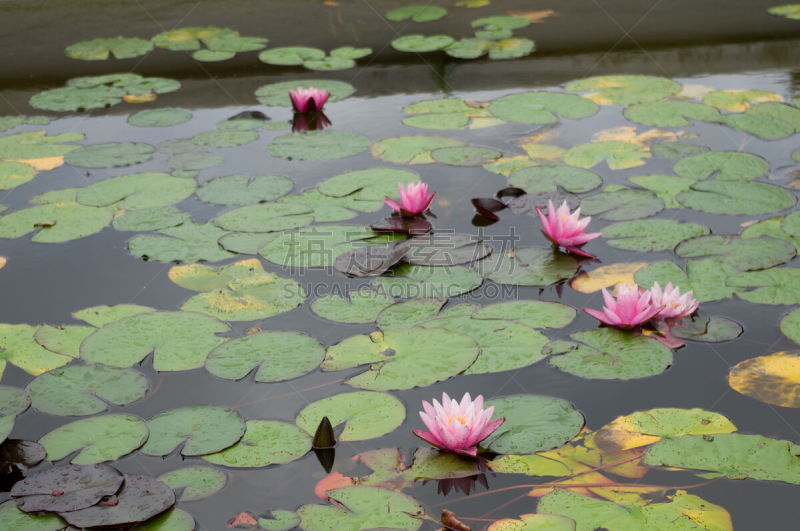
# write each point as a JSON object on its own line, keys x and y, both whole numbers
{"x": 625, "y": 89}
{"x": 422, "y": 43}
{"x": 264, "y": 443}
{"x": 618, "y": 154}
{"x": 671, "y": 113}
{"x": 369, "y": 261}
{"x": 713, "y": 329}
{"x": 368, "y": 185}
{"x": 744, "y": 254}
{"x": 365, "y": 414}
{"x": 541, "y": 107}
{"x": 362, "y": 306}
{"x": 55, "y": 223}
{"x": 651, "y": 234}
{"x": 736, "y": 198}
{"x": 318, "y": 145}
{"x": 622, "y": 204}
{"x": 241, "y": 189}
{"x": 446, "y": 249}
{"x": 138, "y": 190}
{"x": 415, "y": 281}
{"x": 150, "y": 219}
{"x": 415, "y": 149}
{"x": 363, "y": 507}
{"x": 195, "y": 482}
{"x": 197, "y": 430}
{"x": 189, "y": 242}
{"x": 549, "y": 178}
{"x": 67, "y": 488}
{"x": 531, "y": 266}
{"x": 723, "y": 166}
{"x": 465, "y": 156}
{"x": 110, "y": 155}
{"x": 96, "y": 439}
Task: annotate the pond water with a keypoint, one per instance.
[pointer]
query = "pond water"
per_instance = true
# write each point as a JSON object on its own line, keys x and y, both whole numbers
{"x": 680, "y": 113}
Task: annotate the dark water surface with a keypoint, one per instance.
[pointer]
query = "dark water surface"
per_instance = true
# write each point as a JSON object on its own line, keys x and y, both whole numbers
{"x": 718, "y": 44}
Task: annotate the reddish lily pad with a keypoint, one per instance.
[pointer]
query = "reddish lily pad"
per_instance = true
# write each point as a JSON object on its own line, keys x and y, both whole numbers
{"x": 67, "y": 488}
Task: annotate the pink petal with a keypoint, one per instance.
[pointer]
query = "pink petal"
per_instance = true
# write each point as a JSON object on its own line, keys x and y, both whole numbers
{"x": 393, "y": 204}
{"x": 600, "y": 316}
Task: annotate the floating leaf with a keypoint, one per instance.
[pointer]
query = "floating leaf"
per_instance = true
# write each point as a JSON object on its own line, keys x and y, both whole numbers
{"x": 12, "y": 518}
{"x": 625, "y": 89}
{"x": 411, "y": 149}
{"x": 533, "y": 522}
{"x": 18, "y": 347}
{"x": 417, "y": 13}
{"x": 178, "y": 340}
{"x": 676, "y": 150}
{"x": 241, "y": 189}
{"x": 150, "y": 219}
{"x": 278, "y": 93}
{"x": 536, "y": 314}
{"x": 712, "y": 329}
{"x": 54, "y": 223}
{"x": 421, "y": 43}
{"x": 139, "y": 190}
{"x": 415, "y": 281}
{"x": 733, "y": 455}
{"x": 13, "y": 174}
{"x": 290, "y": 55}
{"x": 367, "y": 185}
{"x": 189, "y": 38}
{"x": 541, "y": 179}
{"x": 171, "y": 520}
{"x": 197, "y": 430}
{"x": 97, "y": 439}
{"x": 100, "y": 49}
{"x": 197, "y": 482}
{"x": 165, "y": 117}
{"x": 498, "y": 26}
{"x": 510, "y": 48}
{"x": 110, "y": 155}
{"x": 744, "y": 254}
{"x": 190, "y": 242}
{"x": 280, "y": 521}
{"x": 622, "y": 204}
{"x": 532, "y": 266}
{"x": 651, "y": 234}
{"x": 761, "y": 125}
{"x": 619, "y": 155}
{"x": 277, "y": 356}
{"x": 611, "y": 354}
{"x": 402, "y": 358}
{"x": 265, "y": 442}
{"x": 363, "y": 306}
{"x": 446, "y": 249}
{"x": 706, "y": 278}
{"x": 409, "y": 313}
{"x": 10, "y": 122}
{"x": 790, "y": 11}
{"x": 606, "y": 277}
{"x": 140, "y": 499}
{"x": 723, "y": 165}
{"x": 85, "y": 389}
{"x": 541, "y": 107}
{"x": 330, "y": 63}
{"x": 224, "y": 138}
{"x": 738, "y": 100}
{"x": 99, "y": 316}
{"x": 349, "y": 52}
{"x": 63, "y": 339}
{"x": 671, "y": 113}
{"x": 318, "y": 145}
{"x": 464, "y": 156}
{"x": 736, "y": 198}
{"x": 13, "y": 402}
{"x": 315, "y": 246}
{"x": 773, "y": 286}
{"x": 75, "y": 98}
{"x": 363, "y": 507}
{"x": 533, "y": 423}
{"x": 683, "y": 511}
{"x": 193, "y": 161}
{"x": 67, "y": 488}
{"x": 365, "y": 414}
{"x": 772, "y": 379}
{"x": 666, "y": 187}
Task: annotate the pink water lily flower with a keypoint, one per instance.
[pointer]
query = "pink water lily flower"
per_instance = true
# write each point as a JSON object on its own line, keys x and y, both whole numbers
{"x": 566, "y": 229}
{"x": 308, "y": 99}
{"x": 457, "y": 427}
{"x": 632, "y": 307}
{"x": 414, "y": 199}
{"x": 671, "y": 304}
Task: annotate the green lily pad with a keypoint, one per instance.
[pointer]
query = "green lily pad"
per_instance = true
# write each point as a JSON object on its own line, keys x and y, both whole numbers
{"x": 349, "y": 52}
{"x": 761, "y": 125}
{"x": 531, "y": 266}
{"x": 610, "y": 354}
{"x": 10, "y": 122}
{"x": 414, "y": 149}
{"x": 100, "y": 49}
{"x": 111, "y": 155}
{"x": 618, "y": 154}
{"x": 19, "y": 347}
{"x": 651, "y": 234}
{"x": 368, "y": 185}
{"x": 99, "y": 316}
{"x": 277, "y": 356}
{"x": 37, "y": 144}
{"x": 417, "y": 13}
{"x": 470, "y": 48}
{"x": 212, "y": 56}
{"x": 536, "y": 314}
{"x": 712, "y": 329}
{"x": 416, "y": 281}
{"x": 625, "y": 89}
{"x": 197, "y": 482}
{"x": 533, "y": 423}
{"x": 409, "y": 313}
{"x": 12, "y": 518}
{"x": 622, "y": 204}
{"x": 790, "y": 11}
{"x": 178, "y": 340}
{"x": 744, "y": 254}
{"x": 265, "y": 442}
{"x": 330, "y": 63}
{"x": 150, "y": 219}
{"x": 189, "y": 38}
{"x": 736, "y": 198}
{"x": 290, "y": 55}
{"x": 542, "y": 107}
{"x": 666, "y": 187}
{"x": 738, "y": 100}
{"x": 62, "y": 339}
{"x": 543, "y": 179}
{"x": 59, "y": 222}
{"x": 318, "y": 145}
{"x": 498, "y": 26}
{"x": 363, "y": 306}
{"x": 671, "y": 113}
{"x": 772, "y": 286}
{"x": 734, "y": 455}
{"x": 75, "y": 99}
{"x": 165, "y": 117}
{"x": 241, "y": 189}
{"x": 266, "y": 217}
{"x": 278, "y": 93}
{"x": 328, "y": 208}
{"x": 442, "y": 121}
{"x": 139, "y": 190}
{"x": 422, "y": 43}
{"x": 97, "y": 439}
{"x": 706, "y": 278}
{"x": 245, "y": 242}
{"x": 465, "y": 156}
{"x": 534, "y": 522}
{"x": 224, "y": 138}
{"x": 172, "y": 520}
{"x": 14, "y": 402}
{"x": 683, "y": 511}
{"x": 315, "y": 246}
{"x": 192, "y": 161}
{"x": 86, "y": 389}
{"x": 511, "y": 48}
{"x": 790, "y": 325}
{"x": 280, "y": 521}
{"x": 676, "y": 150}
{"x": 365, "y": 414}
{"x": 13, "y": 174}
{"x": 190, "y": 242}
{"x": 362, "y": 507}
{"x": 197, "y": 430}
{"x": 232, "y": 42}
{"x": 402, "y": 358}
{"x": 723, "y": 165}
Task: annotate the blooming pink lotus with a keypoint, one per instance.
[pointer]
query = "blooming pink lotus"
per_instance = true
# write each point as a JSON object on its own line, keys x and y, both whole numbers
{"x": 414, "y": 199}
{"x": 566, "y": 229}
{"x": 308, "y": 99}
{"x": 671, "y": 304}
{"x": 632, "y": 307}
{"x": 457, "y": 427}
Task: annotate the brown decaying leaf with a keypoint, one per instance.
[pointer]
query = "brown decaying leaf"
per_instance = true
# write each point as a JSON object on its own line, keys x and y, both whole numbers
{"x": 606, "y": 277}
{"x": 535, "y": 16}
{"x": 3, "y": 261}
{"x": 140, "y": 98}
{"x": 451, "y": 522}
